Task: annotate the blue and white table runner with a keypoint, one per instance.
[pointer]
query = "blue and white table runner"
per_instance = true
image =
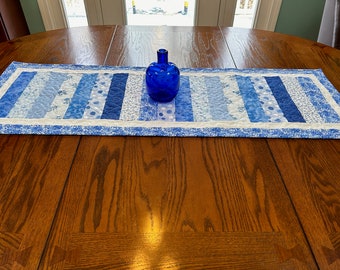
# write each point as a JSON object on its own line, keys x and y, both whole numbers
{"x": 105, "y": 100}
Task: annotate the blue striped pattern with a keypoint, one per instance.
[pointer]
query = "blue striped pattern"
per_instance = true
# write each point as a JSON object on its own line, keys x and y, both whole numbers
{"x": 81, "y": 96}
{"x": 290, "y": 110}
{"x": 47, "y": 94}
{"x": 115, "y": 97}
{"x": 318, "y": 100}
{"x": 217, "y": 100}
{"x": 9, "y": 99}
{"x": 251, "y": 99}
{"x": 183, "y": 102}
{"x": 214, "y": 96}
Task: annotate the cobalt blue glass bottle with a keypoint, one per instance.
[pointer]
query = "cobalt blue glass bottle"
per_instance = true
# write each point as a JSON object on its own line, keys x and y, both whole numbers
{"x": 162, "y": 78}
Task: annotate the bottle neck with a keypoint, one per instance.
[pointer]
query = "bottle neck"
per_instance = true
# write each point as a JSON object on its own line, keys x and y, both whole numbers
{"x": 162, "y": 56}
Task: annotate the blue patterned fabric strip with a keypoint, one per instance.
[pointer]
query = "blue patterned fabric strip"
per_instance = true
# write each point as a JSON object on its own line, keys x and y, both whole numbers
{"x": 81, "y": 96}
{"x": 211, "y": 102}
{"x": 287, "y": 105}
{"x": 14, "y": 92}
{"x": 46, "y": 94}
{"x": 326, "y": 112}
{"x": 251, "y": 99}
{"x": 217, "y": 99}
{"x": 115, "y": 97}
{"x": 183, "y": 104}
{"x": 148, "y": 111}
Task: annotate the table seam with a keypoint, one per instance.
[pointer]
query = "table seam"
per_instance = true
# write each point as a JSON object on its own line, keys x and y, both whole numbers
{"x": 226, "y": 43}
{"x": 110, "y": 45}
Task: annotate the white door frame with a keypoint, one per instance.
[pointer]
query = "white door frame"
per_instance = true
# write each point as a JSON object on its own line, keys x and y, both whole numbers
{"x": 95, "y": 17}
{"x": 207, "y": 13}
{"x": 113, "y": 13}
{"x": 215, "y": 12}
{"x": 267, "y": 14}
{"x": 53, "y": 14}
{"x": 227, "y": 12}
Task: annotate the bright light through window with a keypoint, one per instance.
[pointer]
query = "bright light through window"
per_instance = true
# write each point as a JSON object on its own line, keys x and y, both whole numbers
{"x": 75, "y": 13}
{"x": 245, "y": 13}
{"x": 160, "y": 12}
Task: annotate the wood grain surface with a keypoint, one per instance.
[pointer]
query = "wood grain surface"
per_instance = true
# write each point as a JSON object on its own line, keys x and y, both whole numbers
{"x": 178, "y": 194}
{"x": 308, "y": 170}
{"x": 137, "y": 46}
{"x": 90, "y": 202}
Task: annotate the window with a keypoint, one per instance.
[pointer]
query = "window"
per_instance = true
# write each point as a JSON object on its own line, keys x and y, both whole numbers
{"x": 110, "y": 12}
{"x": 160, "y": 12}
{"x": 75, "y": 13}
{"x": 245, "y": 13}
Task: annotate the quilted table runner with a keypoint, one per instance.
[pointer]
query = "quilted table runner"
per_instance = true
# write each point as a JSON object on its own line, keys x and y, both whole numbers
{"x": 104, "y": 100}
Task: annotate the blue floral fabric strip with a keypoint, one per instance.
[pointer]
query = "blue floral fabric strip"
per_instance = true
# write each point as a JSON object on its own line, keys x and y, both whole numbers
{"x": 104, "y": 100}
{"x": 13, "y": 93}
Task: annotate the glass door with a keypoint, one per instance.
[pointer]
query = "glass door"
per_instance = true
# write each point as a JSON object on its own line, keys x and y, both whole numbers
{"x": 160, "y": 12}
{"x": 261, "y": 14}
{"x": 75, "y": 12}
{"x": 245, "y": 13}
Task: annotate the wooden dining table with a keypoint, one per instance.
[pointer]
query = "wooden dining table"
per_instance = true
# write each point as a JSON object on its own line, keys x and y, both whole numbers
{"x": 138, "y": 202}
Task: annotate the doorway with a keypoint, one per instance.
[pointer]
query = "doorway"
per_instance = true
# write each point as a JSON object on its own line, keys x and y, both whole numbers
{"x": 245, "y": 13}
{"x": 75, "y": 13}
{"x": 206, "y": 12}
